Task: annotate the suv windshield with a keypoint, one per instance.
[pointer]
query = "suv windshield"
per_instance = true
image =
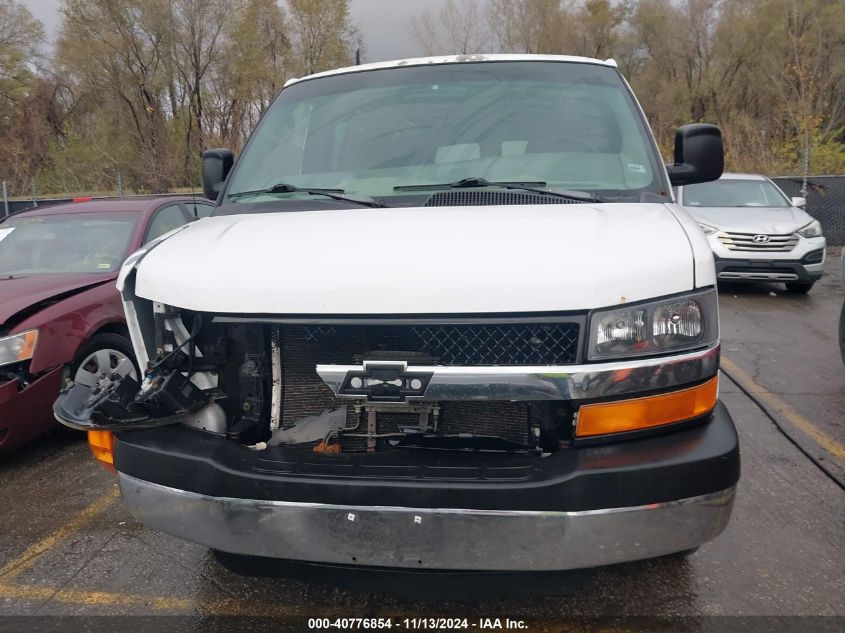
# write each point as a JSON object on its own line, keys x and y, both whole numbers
{"x": 734, "y": 192}
{"x": 562, "y": 125}
{"x": 71, "y": 243}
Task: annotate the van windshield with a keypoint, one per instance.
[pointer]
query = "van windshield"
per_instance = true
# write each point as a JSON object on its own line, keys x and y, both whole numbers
{"x": 562, "y": 125}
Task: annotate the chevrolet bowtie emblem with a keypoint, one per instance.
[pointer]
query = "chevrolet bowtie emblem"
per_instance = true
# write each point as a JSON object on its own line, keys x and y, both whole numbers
{"x": 385, "y": 381}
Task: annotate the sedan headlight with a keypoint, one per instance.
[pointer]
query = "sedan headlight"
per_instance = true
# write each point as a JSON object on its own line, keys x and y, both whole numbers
{"x": 655, "y": 327}
{"x": 813, "y": 229}
{"x": 708, "y": 230}
{"x": 18, "y": 347}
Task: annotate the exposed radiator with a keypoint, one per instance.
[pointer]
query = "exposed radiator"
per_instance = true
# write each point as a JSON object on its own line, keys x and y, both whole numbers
{"x": 304, "y": 393}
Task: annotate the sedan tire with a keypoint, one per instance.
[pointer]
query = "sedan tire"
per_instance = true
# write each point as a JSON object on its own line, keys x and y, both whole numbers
{"x": 100, "y": 357}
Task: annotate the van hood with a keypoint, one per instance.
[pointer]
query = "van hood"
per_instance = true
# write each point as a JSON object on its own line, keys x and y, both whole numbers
{"x": 422, "y": 260}
{"x": 769, "y": 220}
{"x": 21, "y": 297}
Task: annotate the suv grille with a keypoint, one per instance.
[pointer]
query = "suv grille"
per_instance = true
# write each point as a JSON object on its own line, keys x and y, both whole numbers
{"x": 747, "y": 242}
{"x": 459, "y": 344}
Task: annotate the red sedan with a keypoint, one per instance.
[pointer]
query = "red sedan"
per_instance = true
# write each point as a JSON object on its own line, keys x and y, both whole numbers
{"x": 60, "y": 314}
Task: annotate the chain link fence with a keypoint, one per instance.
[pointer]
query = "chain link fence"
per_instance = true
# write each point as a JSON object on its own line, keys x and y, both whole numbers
{"x": 825, "y": 202}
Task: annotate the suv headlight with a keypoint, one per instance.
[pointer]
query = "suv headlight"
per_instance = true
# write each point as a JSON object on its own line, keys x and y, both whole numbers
{"x": 708, "y": 230}
{"x": 655, "y": 327}
{"x": 18, "y": 347}
{"x": 813, "y": 229}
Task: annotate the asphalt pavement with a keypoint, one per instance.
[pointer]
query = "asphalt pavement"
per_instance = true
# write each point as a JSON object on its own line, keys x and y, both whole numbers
{"x": 69, "y": 548}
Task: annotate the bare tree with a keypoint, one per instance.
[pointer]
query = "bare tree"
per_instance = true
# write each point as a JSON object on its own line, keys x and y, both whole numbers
{"x": 458, "y": 28}
{"x": 119, "y": 51}
{"x": 21, "y": 36}
{"x": 253, "y": 67}
{"x": 534, "y": 26}
{"x": 197, "y": 38}
{"x": 322, "y": 34}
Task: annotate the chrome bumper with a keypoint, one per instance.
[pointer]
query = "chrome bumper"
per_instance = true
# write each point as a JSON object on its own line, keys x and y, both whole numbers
{"x": 426, "y": 538}
{"x": 564, "y": 382}
{"x": 758, "y": 276}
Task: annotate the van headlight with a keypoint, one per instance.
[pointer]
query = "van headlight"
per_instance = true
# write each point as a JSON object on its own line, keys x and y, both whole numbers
{"x": 813, "y": 229}
{"x": 18, "y": 347}
{"x": 655, "y": 327}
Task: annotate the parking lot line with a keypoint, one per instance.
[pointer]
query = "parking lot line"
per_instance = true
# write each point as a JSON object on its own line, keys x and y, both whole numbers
{"x": 92, "y": 598}
{"x": 226, "y": 607}
{"x": 16, "y": 566}
{"x": 779, "y": 406}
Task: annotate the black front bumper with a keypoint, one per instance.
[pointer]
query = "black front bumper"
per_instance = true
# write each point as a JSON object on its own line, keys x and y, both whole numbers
{"x": 657, "y": 469}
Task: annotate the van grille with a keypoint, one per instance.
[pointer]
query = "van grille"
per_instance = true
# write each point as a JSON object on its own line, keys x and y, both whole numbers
{"x": 304, "y": 393}
{"x": 758, "y": 242}
{"x": 458, "y": 344}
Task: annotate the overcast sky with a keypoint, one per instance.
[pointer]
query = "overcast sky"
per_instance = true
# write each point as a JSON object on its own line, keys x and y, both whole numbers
{"x": 383, "y": 23}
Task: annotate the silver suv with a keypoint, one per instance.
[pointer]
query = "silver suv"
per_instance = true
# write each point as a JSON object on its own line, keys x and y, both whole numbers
{"x": 756, "y": 232}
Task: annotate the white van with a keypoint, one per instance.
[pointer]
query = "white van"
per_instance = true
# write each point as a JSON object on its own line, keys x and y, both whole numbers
{"x": 446, "y": 315}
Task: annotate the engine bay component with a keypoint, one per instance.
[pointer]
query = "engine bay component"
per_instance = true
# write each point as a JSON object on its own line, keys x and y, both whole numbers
{"x": 161, "y": 400}
{"x": 170, "y": 394}
{"x": 322, "y": 447}
{"x": 310, "y": 429}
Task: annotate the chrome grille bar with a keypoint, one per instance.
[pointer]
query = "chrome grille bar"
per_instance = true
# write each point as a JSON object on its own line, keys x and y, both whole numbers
{"x": 752, "y": 242}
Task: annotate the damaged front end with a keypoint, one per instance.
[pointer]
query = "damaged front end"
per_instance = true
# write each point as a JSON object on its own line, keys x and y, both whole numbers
{"x": 499, "y": 384}
{"x": 178, "y": 384}
{"x": 167, "y": 395}
{"x": 326, "y": 388}
{"x": 355, "y": 385}
{"x": 337, "y": 386}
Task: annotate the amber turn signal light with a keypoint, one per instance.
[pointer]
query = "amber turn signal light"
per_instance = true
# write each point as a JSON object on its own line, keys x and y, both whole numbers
{"x": 28, "y": 348}
{"x": 102, "y": 446}
{"x": 621, "y": 416}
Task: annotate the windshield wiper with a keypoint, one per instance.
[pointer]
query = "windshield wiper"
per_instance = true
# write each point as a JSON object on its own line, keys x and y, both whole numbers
{"x": 480, "y": 183}
{"x": 334, "y": 194}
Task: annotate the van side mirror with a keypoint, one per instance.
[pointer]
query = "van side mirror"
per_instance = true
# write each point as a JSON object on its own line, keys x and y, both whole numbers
{"x": 799, "y": 202}
{"x": 699, "y": 154}
{"x": 216, "y": 165}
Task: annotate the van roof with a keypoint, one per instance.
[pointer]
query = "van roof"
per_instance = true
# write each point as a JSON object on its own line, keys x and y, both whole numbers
{"x": 455, "y": 59}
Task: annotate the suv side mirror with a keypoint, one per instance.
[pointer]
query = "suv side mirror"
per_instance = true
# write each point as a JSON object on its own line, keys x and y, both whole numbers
{"x": 799, "y": 202}
{"x": 699, "y": 154}
{"x": 216, "y": 165}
